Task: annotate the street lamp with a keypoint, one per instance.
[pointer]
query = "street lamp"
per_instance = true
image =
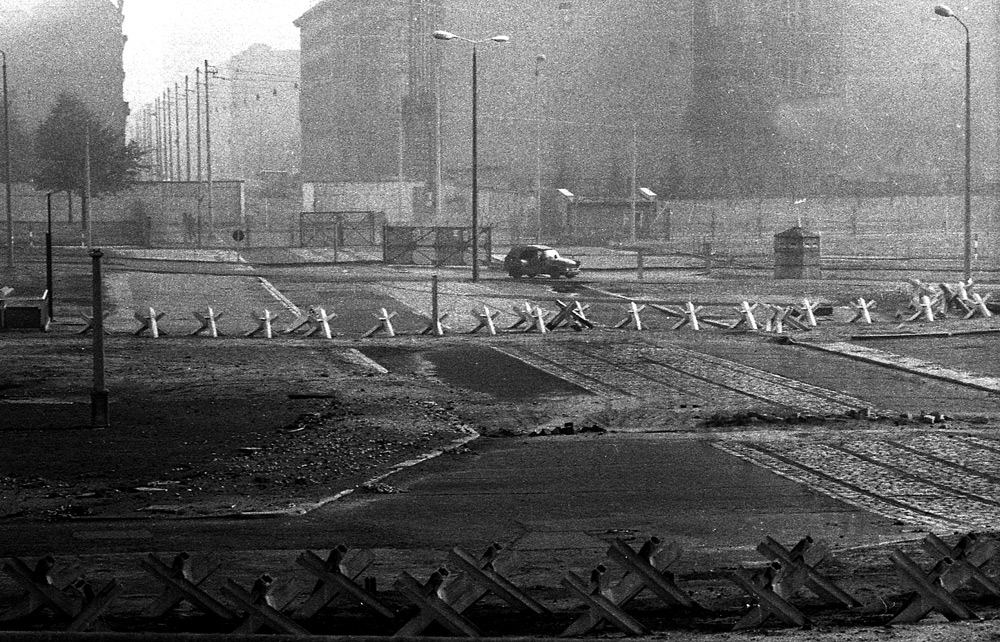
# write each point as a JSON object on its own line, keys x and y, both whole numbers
{"x": 6, "y": 148}
{"x": 539, "y": 59}
{"x": 447, "y": 35}
{"x": 946, "y": 12}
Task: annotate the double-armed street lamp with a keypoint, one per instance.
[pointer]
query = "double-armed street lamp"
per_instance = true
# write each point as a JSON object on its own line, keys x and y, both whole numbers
{"x": 447, "y": 35}
{"x": 946, "y": 12}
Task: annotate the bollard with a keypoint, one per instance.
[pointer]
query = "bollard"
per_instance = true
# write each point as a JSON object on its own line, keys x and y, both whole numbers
{"x": 89, "y": 323}
{"x": 979, "y": 306}
{"x": 99, "y": 394}
{"x": 863, "y": 310}
{"x": 808, "y": 310}
{"x": 633, "y": 317}
{"x": 926, "y": 308}
{"x": 487, "y": 319}
{"x": 151, "y": 323}
{"x": 746, "y": 316}
{"x": 539, "y": 316}
{"x": 208, "y": 323}
{"x": 264, "y": 324}
{"x": 435, "y": 312}
{"x": 319, "y": 321}
{"x": 524, "y": 316}
{"x": 384, "y": 324}
{"x": 690, "y": 316}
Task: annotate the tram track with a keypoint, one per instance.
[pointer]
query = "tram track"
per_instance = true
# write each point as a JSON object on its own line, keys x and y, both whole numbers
{"x": 940, "y": 480}
{"x": 679, "y": 378}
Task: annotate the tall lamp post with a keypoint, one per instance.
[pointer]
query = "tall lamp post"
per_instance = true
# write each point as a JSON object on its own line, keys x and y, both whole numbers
{"x": 447, "y": 35}
{"x": 6, "y": 151}
{"x": 946, "y": 12}
{"x": 539, "y": 59}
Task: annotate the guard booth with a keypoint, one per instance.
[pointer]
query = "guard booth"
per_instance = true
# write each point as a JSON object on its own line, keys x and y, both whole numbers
{"x": 24, "y": 313}
{"x": 797, "y": 254}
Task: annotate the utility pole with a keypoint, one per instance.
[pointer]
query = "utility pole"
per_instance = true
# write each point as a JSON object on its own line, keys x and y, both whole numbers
{"x": 197, "y": 120}
{"x": 635, "y": 178}
{"x": 159, "y": 158}
{"x": 177, "y": 127}
{"x": 197, "y": 134}
{"x": 85, "y": 201}
{"x": 539, "y": 59}
{"x": 438, "y": 179}
{"x": 99, "y": 393}
{"x": 169, "y": 134}
{"x": 6, "y": 146}
{"x": 208, "y": 154}
{"x": 187, "y": 126}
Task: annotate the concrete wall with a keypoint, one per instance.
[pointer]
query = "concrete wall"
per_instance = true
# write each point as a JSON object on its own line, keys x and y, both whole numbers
{"x": 150, "y": 213}
{"x": 888, "y": 227}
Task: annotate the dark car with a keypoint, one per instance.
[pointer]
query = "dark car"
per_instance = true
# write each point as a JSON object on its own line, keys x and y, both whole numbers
{"x": 537, "y": 260}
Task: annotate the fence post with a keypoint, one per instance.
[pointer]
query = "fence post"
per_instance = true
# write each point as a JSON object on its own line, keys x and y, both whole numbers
{"x": 336, "y": 238}
{"x": 434, "y": 300}
{"x": 99, "y": 395}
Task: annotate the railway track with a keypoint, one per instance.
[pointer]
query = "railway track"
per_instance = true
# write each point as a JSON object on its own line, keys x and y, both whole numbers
{"x": 942, "y": 481}
{"x": 678, "y": 378}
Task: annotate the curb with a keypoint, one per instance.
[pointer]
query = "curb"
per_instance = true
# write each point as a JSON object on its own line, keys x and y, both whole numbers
{"x": 298, "y": 511}
{"x": 906, "y": 364}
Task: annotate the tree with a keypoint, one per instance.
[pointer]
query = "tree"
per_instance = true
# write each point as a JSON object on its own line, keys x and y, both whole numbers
{"x": 60, "y": 151}
{"x": 20, "y": 153}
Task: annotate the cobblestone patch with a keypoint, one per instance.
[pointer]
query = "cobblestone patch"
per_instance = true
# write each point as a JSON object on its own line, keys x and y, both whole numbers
{"x": 941, "y": 481}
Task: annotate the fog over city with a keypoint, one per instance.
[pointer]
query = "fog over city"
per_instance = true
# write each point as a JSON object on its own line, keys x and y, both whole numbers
{"x": 169, "y": 39}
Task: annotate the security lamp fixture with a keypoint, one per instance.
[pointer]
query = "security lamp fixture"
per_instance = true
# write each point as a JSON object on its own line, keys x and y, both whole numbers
{"x": 647, "y": 193}
{"x": 447, "y": 35}
{"x": 946, "y": 12}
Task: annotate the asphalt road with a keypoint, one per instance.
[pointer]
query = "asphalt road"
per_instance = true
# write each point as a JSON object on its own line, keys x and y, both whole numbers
{"x": 563, "y": 496}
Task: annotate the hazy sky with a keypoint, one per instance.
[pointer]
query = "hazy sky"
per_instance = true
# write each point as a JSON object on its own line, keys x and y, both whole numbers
{"x": 170, "y": 38}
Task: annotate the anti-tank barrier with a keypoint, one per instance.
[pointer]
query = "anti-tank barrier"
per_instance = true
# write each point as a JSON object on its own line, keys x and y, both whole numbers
{"x": 796, "y": 586}
{"x": 927, "y": 304}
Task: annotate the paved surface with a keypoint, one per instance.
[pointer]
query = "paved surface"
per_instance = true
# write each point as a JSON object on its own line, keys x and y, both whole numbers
{"x": 565, "y": 496}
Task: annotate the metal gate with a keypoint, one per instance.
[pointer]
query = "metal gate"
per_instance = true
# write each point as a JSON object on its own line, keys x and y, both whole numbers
{"x": 437, "y": 246}
{"x": 341, "y": 229}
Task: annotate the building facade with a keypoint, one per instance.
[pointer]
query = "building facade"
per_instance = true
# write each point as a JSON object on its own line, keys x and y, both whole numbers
{"x": 797, "y": 97}
{"x": 246, "y": 115}
{"x": 585, "y": 95}
{"x": 692, "y": 99}
{"x": 255, "y": 115}
{"x": 58, "y": 46}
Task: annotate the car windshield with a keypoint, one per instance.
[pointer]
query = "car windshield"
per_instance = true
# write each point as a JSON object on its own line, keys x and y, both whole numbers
{"x": 550, "y": 254}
